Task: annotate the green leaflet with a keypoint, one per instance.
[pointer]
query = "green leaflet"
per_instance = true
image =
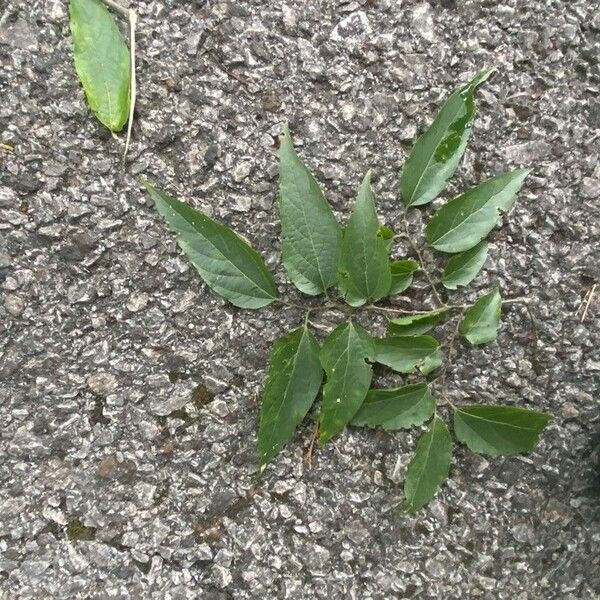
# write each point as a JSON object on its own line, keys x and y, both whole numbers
{"x": 227, "y": 263}
{"x": 292, "y": 384}
{"x": 402, "y": 274}
{"x": 434, "y": 361}
{"x": 436, "y": 154}
{"x": 311, "y": 237}
{"x": 101, "y": 61}
{"x": 463, "y": 268}
{"x": 416, "y": 324}
{"x": 463, "y": 222}
{"x": 482, "y": 320}
{"x": 365, "y": 267}
{"x": 343, "y": 356}
{"x": 499, "y": 430}
{"x": 405, "y": 354}
{"x": 398, "y": 408}
{"x": 429, "y": 466}
{"x": 387, "y": 235}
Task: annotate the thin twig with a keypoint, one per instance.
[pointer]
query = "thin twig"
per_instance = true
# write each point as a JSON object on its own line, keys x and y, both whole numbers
{"x": 534, "y": 337}
{"x": 451, "y": 342}
{"x": 398, "y": 311}
{"x": 132, "y": 16}
{"x": 309, "y": 452}
{"x": 589, "y": 301}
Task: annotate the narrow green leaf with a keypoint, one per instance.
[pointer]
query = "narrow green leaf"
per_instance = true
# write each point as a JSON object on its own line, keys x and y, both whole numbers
{"x": 101, "y": 61}
{"x": 292, "y": 384}
{"x": 402, "y": 274}
{"x": 482, "y": 320}
{"x": 311, "y": 237}
{"x": 463, "y": 268}
{"x": 404, "y": 354}
{"x": 429, "y": 467}
{"x": 343, "y": 356}
{"x": 499, "y": 430}
{"x": 396, "y": 408}
{"x": 416, "y": 324}
{"x": 228, "y": 265}
{"x": 463, "y": 222}
{"x": 364, "y": 262}
{"x": 437, "y": 153}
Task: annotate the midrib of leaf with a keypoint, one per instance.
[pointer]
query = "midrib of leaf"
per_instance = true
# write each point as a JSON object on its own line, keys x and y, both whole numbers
{"x": 437, "y": 144}
{"x": 396, "y": 398}
{"x": 504, "y": 424}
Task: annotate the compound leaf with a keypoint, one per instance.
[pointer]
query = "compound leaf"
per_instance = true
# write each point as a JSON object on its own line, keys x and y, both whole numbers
{"x": 482, "y": 320}
{"x": 463, "y": 222}
{"x": 402, "y": 274}
{"x": 228, "y": 265}
{"x": 364, "y": 264}
{"x": 343, "y": 356}
{"x": 429, "y": 466}
{"x": 292, "y": 384}
{"x": 416, "y": 324}
{"x": 396, "y": 408}
{"x": 101, "y": 61}
{"x": 497, "y": 430}
{"x": 463, "y": 268}
{"x": 311, "y": 236}
{"x": 437, "y": 153}
{"x": 405, "y": 354}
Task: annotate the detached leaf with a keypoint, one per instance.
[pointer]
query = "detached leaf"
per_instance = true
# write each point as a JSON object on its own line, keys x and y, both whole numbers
{"x": 405, "y": 354}
{"x": 364, "y": 252}
{"x": 438, "y": 151}
{"x": 396, "y": 408}
{"x": 482, "y": 320}
{"x": 343, "y": 356}
{"x": 101, "y": 61}
{"x": 311, "y": 237}
{"x": 463, "y": 268}
{"x": 402, "y": 274}
{"x": 228, "y": 265}
{"x": 416, "y": 324}
{"x": 497, "y": 430}
{"x": 463, "y": 222}
{"x": 292, "y": 384}
{"x": 429, "y": 467}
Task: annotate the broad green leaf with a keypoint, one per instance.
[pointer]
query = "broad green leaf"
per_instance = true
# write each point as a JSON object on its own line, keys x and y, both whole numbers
{"x": 228, "y": 265}
{"x": 396, "y": 408}
{"x": 402, "y": 274}
{"x": 499, "y": 430}
{"x": 429, "y": 467}
{"x": 343, "y": 356}
{"x": 463, "y": 222}
{"x": 437, "y": 153}
{"x": 482, "y": 320}
{"x": 405, "y": 354}
{"x": 463, "y": 268}
{"x": 292, "y": 384}
{"x": 101, "y": 61}
{"x": 311, "y": 237}
{"x": 364, "y": 264}
{"x": 416, "y": 324}
{"x": 434, "y": 361}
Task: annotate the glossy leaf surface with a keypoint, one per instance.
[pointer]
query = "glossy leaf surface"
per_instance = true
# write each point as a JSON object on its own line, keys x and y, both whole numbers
{"x": 463, "y": 222}
{"x": 429, "y": 466}
{"x": 497, "y": 430}
{"x": 482, "y": 320}
{"x": 402, "y": 274}
{"x": 416, "y": 324}
{"x": 293, "y": 382}
{"x": 463, "y": 268}
{"x": 228, "y": 265}
{"x": 101, "y": 61}
{"x": 404, "y": 354}
{"x": 437, "y": 153}
{"x": 364, "y": 262}
{"x": 311, "y": 236}
{"x": 396, "y": 408}
{"x": 344, "y": 357}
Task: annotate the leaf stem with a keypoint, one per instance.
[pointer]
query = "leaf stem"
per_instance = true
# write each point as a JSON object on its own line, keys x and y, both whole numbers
{"x": 122, "y": 10}
{"x": 132, "y": 16}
